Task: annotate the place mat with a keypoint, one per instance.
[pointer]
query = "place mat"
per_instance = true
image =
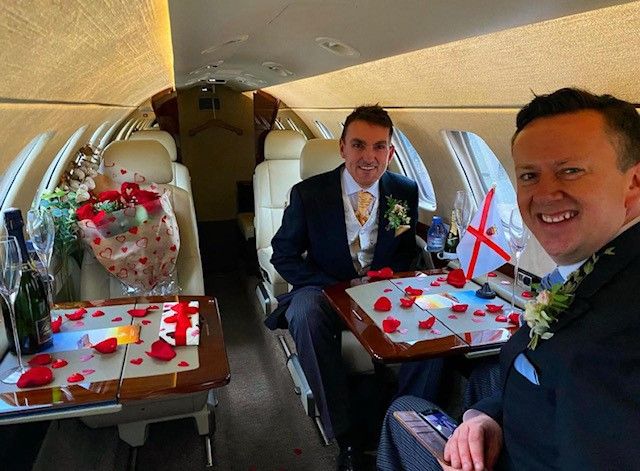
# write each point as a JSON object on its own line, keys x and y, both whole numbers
{"x": 186, "y": 356}
{"x": 366, "y": 295}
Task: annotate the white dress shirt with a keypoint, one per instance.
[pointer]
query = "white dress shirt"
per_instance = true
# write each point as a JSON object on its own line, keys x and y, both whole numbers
{"x": 361, "y": 238}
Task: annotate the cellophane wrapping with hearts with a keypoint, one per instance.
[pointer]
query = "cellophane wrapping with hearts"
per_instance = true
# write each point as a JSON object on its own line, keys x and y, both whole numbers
{"x": 137, "y": 244}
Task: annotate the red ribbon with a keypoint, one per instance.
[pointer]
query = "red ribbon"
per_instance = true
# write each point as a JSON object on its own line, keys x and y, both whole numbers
{"x": 182, "y": 320}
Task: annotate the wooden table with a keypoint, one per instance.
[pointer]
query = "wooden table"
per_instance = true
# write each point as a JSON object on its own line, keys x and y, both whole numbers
{"x": 106, "y": 397}
{"x": 383, "y": 349}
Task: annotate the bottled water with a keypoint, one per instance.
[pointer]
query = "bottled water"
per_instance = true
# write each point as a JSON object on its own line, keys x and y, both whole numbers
{"x": 436, "y": 235}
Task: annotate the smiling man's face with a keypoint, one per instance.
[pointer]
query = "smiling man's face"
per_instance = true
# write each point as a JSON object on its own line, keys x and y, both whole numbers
{"x": 366, "y": 150}
{"x": 571, "y": 193}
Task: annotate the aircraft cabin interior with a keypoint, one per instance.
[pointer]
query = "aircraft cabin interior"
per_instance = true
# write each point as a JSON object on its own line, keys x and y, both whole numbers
{"x": 217, "y": 109}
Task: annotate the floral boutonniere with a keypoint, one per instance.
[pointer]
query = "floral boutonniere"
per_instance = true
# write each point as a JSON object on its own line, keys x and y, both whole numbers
{"x": 549, "y": 303}
{"x": 397, "y": 215}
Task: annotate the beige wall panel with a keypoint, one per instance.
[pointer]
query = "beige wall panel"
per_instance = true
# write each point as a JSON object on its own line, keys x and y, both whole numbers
{"x": 216, "y": 158}
{"x": 597, "y": 50}
{"x": 21, "y": 123}
{"x": 109, "y": 51}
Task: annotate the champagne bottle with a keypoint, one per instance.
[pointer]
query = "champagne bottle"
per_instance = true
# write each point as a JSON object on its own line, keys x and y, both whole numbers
{"x": 33, "y": 318}
{"x": 453, "y": 237}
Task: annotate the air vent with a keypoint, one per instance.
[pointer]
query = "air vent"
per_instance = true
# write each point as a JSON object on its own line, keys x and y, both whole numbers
{"x": 277, "y": 68}
{"x": 229, "y": 42}
{"x": 337, "y": 47}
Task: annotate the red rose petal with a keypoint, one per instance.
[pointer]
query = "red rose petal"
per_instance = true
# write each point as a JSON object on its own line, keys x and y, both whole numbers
{"x": 152, "y": 308}
{"x": 116, "y": 319}
{"x": 137, "y": 312}
{"x": 491, "y": 274}
{"x": 59, "y": 363}
{"x": 139, "y": 341}
{"x": 98, "y": 313}
{"x": 501, "y": 318}
{"x": 161, "y": 350}
{"x": 75, "y": 378}
{"x": 457, "y": 278}
{"x": 452, "y": 316}
{"x": 56, "y": 324}
{"x": 107, "y": 346}
{"x": 442, "y": 279}
{"x": 88, "y": 372}
{"x": 413, "y": 291}
{"x": 514, "y": 318}
{"x": 136, "y": 361}
{"x": 494, "y": 307}
{"x": 297, "y": 451}
{"x": 76, "y": 315}
{"x": 382, "y": 304}
{"x": 407, "y": 302}
{"x": 435, "y": 283}
{"x": 459, "y": 307}
{"x": 390, "y": 324}
{"x": 183, "y": 363}
{"x": 41, "y": 359}
{"x": 36, "y": 376}
{"x": 427, "y": 323}
{"x": 382, "y": 274}
{"x": 479, "y": 312}
{"x": 527, "y": 294}
{"x": 146, "y": 322}
{"x": 388, "y": 290}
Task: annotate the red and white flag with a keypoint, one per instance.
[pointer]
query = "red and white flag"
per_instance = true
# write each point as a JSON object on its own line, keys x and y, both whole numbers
{"x": 484, "y": 246}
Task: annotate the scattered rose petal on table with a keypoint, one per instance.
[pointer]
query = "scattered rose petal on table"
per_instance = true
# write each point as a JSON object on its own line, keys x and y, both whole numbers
{"x": 161, "y": 350}
{"x": 85, "y": 358}
{"x": 107, "y": 346}
{"x": 479, "y": 312}
{"x": 441, "y": 279}
{"x": 390, "y": 324}
{"x": 56, "y": 324}
{"x": 527, "y": 294}
{"x": 382, "y": 304}
{"x": 457, "y": 278}
{"x": 76, "y": 315}
{"x": 435, "y": 331}
{"x": 116, "y": 319}
{"x": 382, "y": 274}
{"x": 146, "y": 322}
{"x": 183, "y": 364}
{"x": 491, "y": 274}
{"x": 137, "y": 312}
{"x": 459, "y": 307}
{"x": 494, "y": 307}
{"x": 501, "y": 318}
{"x": 59, "y": 363}
{"x": 139, "y": 341}
{"x": 452, "y": 316}
{"x": 136, "y": 361}
{"x": 514, "y": 318}
{"x": 40, "y": 359}
{"x": 427, "y": 323}
{"x": 413, "y": 291}
{"x": 407, "y": 302}
{"x": 98, "y": 313}
{"x": 36, "y": 376}
{"x": 435, "y": 283}
{"x": 75, "y": 378}
{"x": 388, "y": 290}
{"x": 88, "y": 372}
{"x": 152, "y": 308}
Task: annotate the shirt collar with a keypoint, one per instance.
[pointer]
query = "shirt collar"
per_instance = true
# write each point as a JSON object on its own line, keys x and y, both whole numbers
{"x": 350, "y": 186}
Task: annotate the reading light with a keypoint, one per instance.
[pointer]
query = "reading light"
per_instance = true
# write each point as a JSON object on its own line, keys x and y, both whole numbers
{"x": 336, "y": 47}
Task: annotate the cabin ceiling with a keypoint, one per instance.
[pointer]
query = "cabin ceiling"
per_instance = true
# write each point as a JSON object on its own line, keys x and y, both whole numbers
{"x": 236, "y": 37}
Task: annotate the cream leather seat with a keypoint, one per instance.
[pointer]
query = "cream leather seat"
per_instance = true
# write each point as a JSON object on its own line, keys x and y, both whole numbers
{"x": 151, "y": 159}
{"x": 272, "y": 182}
{"x": 181, "y": 177}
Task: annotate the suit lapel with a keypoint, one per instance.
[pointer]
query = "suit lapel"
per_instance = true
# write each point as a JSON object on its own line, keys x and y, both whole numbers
{"x": 625, "y": 250}
{"x": 333, "y": 221}
{"x": 385, "y": 236}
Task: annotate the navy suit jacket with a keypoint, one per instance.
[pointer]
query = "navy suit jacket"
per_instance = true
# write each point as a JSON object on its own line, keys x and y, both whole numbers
{"x": 585, "y": 412}
{"x": 314, "y": 223}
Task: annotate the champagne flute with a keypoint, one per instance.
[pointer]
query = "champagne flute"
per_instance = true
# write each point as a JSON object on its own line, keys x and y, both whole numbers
{"x": 462, "y": 211}
{"x": 518, "y": 237}
{"x": 10, "y": 274}
{"x": 42, "y": 230}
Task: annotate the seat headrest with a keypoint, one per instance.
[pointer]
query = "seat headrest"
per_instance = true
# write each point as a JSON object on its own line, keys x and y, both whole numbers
{"x": 163, "y": 137}
{"x": 283, "y": 144}
{"x": 319, "y": 156}
{"x": 126, "y": 161}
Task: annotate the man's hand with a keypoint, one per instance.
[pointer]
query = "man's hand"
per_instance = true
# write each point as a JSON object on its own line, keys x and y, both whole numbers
{"x": 475, "y": 445}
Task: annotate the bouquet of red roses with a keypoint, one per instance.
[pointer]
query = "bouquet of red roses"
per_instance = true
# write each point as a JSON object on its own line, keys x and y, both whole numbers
{"x": 134, "y": 234}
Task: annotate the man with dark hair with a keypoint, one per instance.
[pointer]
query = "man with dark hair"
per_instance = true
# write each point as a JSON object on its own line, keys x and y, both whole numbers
{"x": 334, "y": 229}
{"x": 570, "y": 378}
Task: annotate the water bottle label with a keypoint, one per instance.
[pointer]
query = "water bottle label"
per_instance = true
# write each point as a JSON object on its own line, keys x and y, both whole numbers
{"x": 43, "y": 331}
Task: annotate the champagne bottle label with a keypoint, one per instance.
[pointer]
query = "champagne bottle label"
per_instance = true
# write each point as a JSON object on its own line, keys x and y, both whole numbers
{"x": 43, "y": 331}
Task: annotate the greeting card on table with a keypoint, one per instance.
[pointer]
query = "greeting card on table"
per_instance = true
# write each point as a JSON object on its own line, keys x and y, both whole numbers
{"x": 81, "y": 339}
{"x": 180, "y": 323}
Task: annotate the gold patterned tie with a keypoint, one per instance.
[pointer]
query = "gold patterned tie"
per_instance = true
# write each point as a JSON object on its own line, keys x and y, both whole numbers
{"x": 364, "y": 201}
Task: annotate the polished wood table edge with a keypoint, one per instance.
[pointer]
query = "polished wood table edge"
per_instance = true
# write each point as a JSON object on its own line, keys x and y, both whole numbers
{"x": 385, "y": 350}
